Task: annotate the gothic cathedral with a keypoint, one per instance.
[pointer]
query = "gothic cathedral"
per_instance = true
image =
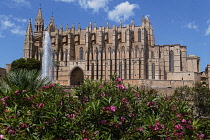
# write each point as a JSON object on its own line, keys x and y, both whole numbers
{"x": 98, "y": 52}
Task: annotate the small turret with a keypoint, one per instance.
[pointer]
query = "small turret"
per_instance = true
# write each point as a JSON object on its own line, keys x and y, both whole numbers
{"x": 28, "y": 44}
{"x": 39, "y": 23}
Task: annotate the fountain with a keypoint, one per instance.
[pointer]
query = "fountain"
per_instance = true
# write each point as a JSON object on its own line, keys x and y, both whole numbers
{"x": 47, "y": 59}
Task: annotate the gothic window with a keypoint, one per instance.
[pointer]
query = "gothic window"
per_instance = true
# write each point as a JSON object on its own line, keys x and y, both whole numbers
{"x": 81, "y": 53}
{"x": 139, "y": 35}
{"x": 125, "y": 36}
{"x": 153, "y": 71}
{"x": 171, "y": 61}
{"x": 180, "y": 60}
{"x": 136, "y": 51}
{"x": 152, "y": 54}
{"x": 96, "y": 52}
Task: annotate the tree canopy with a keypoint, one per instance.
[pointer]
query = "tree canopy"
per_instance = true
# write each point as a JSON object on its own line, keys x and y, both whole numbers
{"x": 29, "y": 64}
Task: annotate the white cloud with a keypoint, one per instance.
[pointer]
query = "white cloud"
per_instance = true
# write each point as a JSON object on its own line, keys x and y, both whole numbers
{"x": 192, "y": 25}
{"x": 2, "y": 36}
{"x": 11, "y": 24}
{"x": 94, "y": 4}
{"x": 65, "y": 0}
{"x": 21, "y": 20}
{"x": 122, "y": 11}
{"x": 22, "y": 3}
{"x": 208, "y": 31}
{"x": 18, "y": 30}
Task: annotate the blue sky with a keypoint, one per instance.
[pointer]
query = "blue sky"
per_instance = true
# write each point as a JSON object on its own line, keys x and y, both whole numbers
{"x": 185, "y": 22}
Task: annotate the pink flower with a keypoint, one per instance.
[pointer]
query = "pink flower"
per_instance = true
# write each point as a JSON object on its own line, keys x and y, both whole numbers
{"x": 113, "y": 108}
{"x": 178, "y": 127}
{"x": 52, "y": 85}
{"x": 148, "y": 103}
{"x": 23, "y": 90}
{"x": 16, "y": 92}
{"x": 119, "y": 80}
{"x": 122, "y": 118}
{"x": 120, "y": 87}
{"x": 202, "y": 136}
{"x": 140, "y": 129}
{"x": 103, "y": 94}
{"x": 137, "y": 95}
{"x": 85, "y": 139}
{"x": 103, "y": 122}
{"x": 100, "y": 86}
{"x": 6, "y": 97}
{"x": 40, "y": 105}
{"x": 178, "y": 115}
{"x": 22, "y": 126}
{"x": 1, "y": 137}
{"x": 184, "y": 121}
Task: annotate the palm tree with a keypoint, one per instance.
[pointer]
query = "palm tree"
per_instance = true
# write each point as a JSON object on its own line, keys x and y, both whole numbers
{"x": 22, "y": 79}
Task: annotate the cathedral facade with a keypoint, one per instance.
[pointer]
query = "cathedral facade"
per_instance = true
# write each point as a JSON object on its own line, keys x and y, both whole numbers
{"x": 98, "y": 52}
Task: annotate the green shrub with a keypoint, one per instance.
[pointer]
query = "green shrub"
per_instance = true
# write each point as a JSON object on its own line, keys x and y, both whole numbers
{"x": 95, "y": 110}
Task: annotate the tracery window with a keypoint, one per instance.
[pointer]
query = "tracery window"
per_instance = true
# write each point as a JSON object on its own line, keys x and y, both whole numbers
{"x": 81, "y": 53}
{"x": 171, "y": 61}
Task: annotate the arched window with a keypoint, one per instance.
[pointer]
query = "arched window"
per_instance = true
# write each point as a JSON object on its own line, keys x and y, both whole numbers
{"x": 139, "y": 35}
{"x": 153, "y": 71}
{"x": 171, "y": 61}
{"x": 96, "y": 52}
{"x": 152, "y": 54}
{"x": 180, "y": 60}
{"x": 136, "y": 51}
{"x": 81, "y": 53}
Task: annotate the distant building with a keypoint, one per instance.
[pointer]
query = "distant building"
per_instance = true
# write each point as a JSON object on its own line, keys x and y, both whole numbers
{"x": 98, "y": 52}
{"x": 2, "y": 72}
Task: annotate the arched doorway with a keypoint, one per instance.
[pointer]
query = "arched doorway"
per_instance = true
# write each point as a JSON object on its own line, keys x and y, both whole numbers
{"x": 76, "y": 76}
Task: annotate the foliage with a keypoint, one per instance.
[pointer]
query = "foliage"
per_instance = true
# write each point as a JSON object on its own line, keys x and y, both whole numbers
{"x": 21, "y": 79}
{"x": 29, "y": 63}
{"x": 95, "y": 110}
{"x": 199, "y": 99}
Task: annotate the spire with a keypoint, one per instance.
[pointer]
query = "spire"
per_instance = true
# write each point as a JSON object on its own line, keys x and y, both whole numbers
{"x": 133, "y": 23}
{"x": 79, "y": 26}
{"x": 39, "y": 24}
{"x": 120, "y": 23}
{"x": 107, "y": 24}
{"x": 29, "y": 29}
{"x": 39, "y": 16}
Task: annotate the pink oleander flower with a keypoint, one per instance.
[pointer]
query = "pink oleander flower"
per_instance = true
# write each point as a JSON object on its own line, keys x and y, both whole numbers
{"x": 40, "y": 105}
{"x": 22, "y": 126}
{"x": 103, "y": 122}
{"x": 178, "y": 127}
{"x": 1, "y": 137}
{"x": 202, "y": 136}
{"x": 6, "y": 97}
{"x": 16, "y": 92}
{"x": 52, "y": 85}
{"x": 184, "y": 121}
{"x": 85, "y": 139}
{"x": 84, "y": 132}
{"x": 148, "y": 103}
{"x": 113, "y": 108}
{"x": 103, "y": 94}
{"x": 23, "y": 90}
{"x": 122, "y": 118}
{"x": 2, "y": 99}
{"x": 100, "y": 86}
{"x": 140, "y": 129}
{"x": 137, "y": 95}
{"x": 121, "y": 87}
{"x": 178, "y": 115}
{"x": 119, "y": 80}
{"x": 96, "y": 132}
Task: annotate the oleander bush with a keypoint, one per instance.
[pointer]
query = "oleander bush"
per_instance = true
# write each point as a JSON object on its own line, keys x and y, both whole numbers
{"x": 95, "y": 111}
